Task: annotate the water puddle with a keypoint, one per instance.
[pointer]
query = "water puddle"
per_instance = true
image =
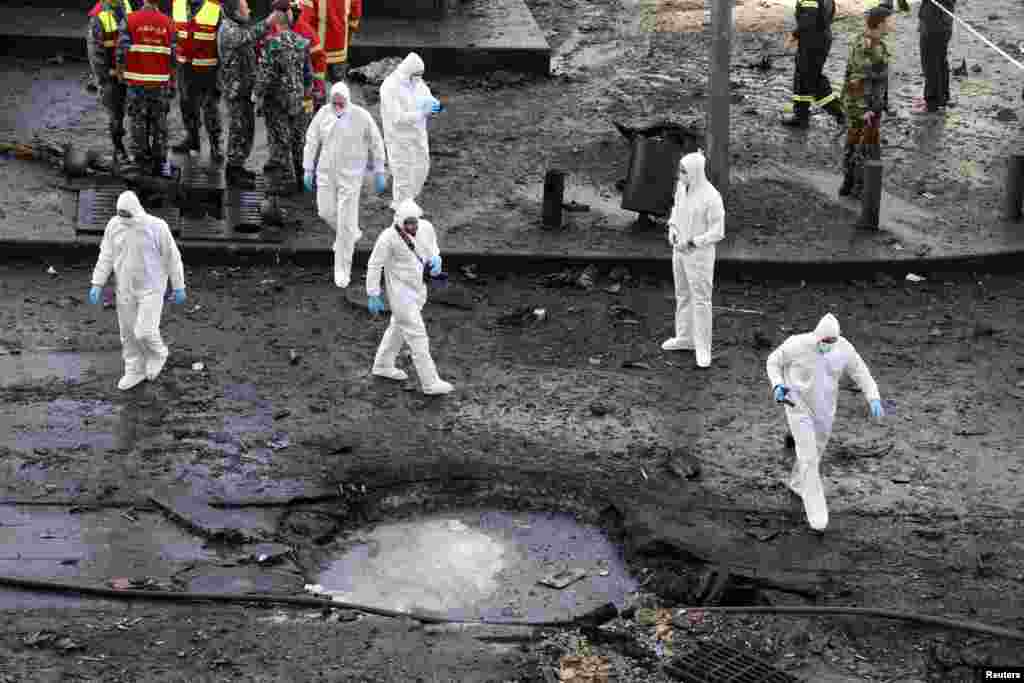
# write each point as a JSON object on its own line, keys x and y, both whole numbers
{"x": 73, "y": 368}
{"x": 480, "y": 564}
{"x": 91, "y": 548}
{"x": 64, "y": 424}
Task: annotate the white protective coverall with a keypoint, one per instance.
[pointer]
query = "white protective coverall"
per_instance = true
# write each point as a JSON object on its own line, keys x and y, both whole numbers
{"x": 405, "y": 129}
{"x": 341, "y": 148}
{"x": 407, "y": 294}
{"x": 698, "y": 215}
{"x": 813, "y": 380}
{"x": 142, "y": 254}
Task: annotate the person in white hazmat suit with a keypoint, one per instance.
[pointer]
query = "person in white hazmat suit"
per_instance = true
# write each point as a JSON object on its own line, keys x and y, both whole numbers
{"x": 401, "y": 252}
{"x": 140, "y": 250}
{"x": 342, "y": 144}
{"x": 405, "y": 105}
{"x": 804, "y": 372}
{"x": 696, "y": 224}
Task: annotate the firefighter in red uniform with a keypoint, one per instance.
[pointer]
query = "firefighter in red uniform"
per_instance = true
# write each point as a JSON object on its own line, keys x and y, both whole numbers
{"x": 145, "y": 59}
{"x": 334, "y": 22}
{"x": 104, "y": 22}
{"x": 196, "y": 22}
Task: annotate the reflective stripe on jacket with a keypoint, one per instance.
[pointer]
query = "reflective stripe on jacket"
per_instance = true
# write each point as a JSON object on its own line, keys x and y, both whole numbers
{"x": 203, "y": 48}
{"x": 148, "y": 61}
{"x": 332, "y": 21}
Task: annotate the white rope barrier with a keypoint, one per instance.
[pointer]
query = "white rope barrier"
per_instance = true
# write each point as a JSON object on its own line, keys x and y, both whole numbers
{"x": 980, "y": 37}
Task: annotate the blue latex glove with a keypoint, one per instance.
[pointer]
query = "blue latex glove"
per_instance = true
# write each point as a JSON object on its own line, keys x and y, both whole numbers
{"x": 376, "y": 304}
{"x": 876, "y": 409}
{"x": 381, "y": 183}
{"x": 94, "y": 295}
{"x": 780, "y": 392}
{"x": 435, "y": 265}
{"x": 435, "y": 106}
{"x": 307, "y": 181}
{"x": 424, "y": 104}
{"x": 179, "y": 296}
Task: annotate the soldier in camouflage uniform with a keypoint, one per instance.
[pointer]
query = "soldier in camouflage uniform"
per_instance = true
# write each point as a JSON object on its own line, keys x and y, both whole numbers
{"x": 284, "y": 80}
{"x": 147, "y": 105}
{"x": 104, "y": 24}
{"x": 236, "y": 43}
{"x": 864, "y": 95}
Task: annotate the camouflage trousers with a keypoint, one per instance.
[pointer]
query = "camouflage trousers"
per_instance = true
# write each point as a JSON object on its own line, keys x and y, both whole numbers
{"x": 147, "y": 108}
{"x": 114, "y": 94}
{"x": 199, "y": 98}
{"x": 241, "y": 129}
{"x": 286, "y": 138}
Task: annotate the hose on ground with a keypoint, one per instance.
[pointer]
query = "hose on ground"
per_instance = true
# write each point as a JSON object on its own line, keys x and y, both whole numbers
{"x": 823, "y": 610}
{"x": 598, "y": 616}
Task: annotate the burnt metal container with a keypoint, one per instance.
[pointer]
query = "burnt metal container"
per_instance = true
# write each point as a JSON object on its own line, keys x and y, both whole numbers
{"x": 651, "y": 181}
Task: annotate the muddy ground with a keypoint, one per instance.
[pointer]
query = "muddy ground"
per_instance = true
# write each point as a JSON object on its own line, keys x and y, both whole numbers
{"x": 926, "y": 505}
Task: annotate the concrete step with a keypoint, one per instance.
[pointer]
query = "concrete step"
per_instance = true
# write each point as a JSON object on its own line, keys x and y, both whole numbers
{"x": 478, "y": 36}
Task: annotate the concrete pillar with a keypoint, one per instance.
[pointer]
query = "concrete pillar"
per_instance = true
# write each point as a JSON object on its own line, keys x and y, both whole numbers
{"x": 871, "y": 199}
{"x": 554, "y": 195}
{"x": 1015, "y": 186}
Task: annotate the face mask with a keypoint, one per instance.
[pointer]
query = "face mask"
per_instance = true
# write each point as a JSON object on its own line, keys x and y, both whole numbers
{"x": 824, "y": 348}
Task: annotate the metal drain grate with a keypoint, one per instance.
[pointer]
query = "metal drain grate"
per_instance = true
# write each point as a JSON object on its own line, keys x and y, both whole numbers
{"x": 96, "y": 208}
{"x": 241, "y": 223}
{"x": 195, "y": 176}
{"x": 717, "y": 663}
{"x": 245, "y": 213}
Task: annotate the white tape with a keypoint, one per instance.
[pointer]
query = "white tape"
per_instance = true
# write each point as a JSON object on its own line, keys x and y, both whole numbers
{"x": 981, "y": 37}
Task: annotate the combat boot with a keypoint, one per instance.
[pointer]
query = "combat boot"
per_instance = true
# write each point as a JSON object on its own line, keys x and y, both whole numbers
{"x": 216, "y": 153}
{"x": 239, "y": 176}
{"x": 189, "y": 144}
{"x": 848, "y": 171}
{"x": 118, "y": 140}
{"x": 801, "y": 118}
{"x": 835, "y": 108}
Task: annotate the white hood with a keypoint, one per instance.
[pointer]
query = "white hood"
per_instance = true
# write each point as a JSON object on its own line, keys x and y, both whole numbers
{"x": 407, "y": 209}
{"x": 828, "y": 327}
{"x": 410, "y": 65}
{"x": 129, "y": 203}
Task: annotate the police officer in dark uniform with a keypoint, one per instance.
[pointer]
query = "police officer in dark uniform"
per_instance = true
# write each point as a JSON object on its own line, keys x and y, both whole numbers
{"x": 810, "y": 86}
{"x": 936, "y": 28}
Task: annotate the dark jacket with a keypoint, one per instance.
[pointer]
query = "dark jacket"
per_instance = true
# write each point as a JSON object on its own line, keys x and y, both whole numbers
{"x": 932, "y": 19}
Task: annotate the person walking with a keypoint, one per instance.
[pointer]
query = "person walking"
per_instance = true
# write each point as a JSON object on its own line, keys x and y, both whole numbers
{"x": 145, "y": 59}
{"x": 236, "y": 46}
{"x": 284, "y": 81}
{"x": 864, "y": 95}
{"x": 105, "y": 20}
{"x": 197, "y": 23}
{"x": 813, "y": 35}
{"x": 342, "y": 144}
{"x": 936, "y": 28}
{"x": 696, "y": 224}
{"x": 805, "y": 372}
{"x": 402, "y": 252}
{"x": 141, "y": 253}
{"x": 406, "y": 104}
